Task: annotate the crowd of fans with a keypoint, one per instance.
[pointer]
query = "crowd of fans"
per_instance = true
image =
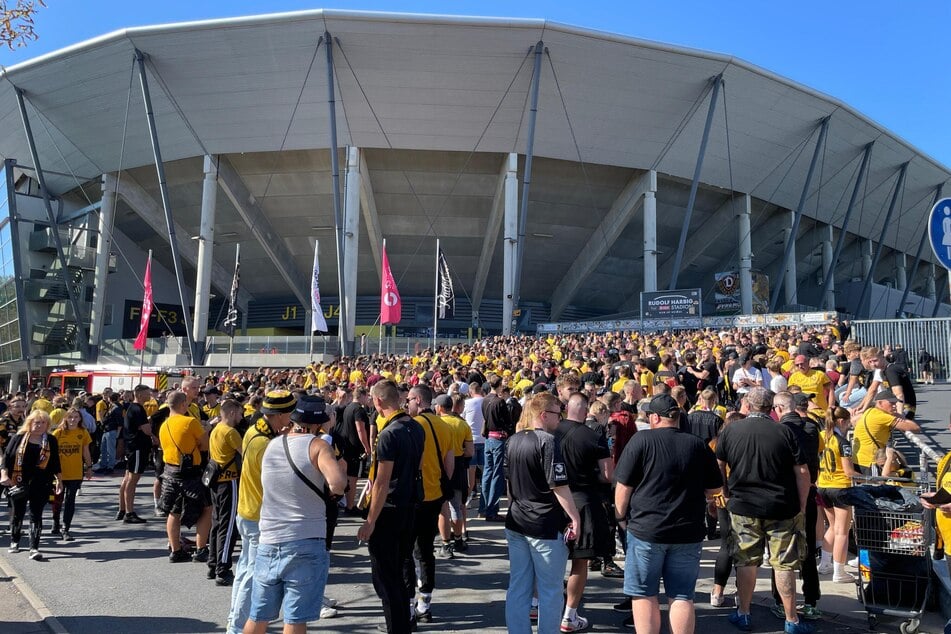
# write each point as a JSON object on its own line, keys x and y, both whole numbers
{"x": 751, "y": 435}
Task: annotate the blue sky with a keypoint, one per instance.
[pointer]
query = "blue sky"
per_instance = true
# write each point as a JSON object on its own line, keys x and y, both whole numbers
{"x": 887, "y": 60}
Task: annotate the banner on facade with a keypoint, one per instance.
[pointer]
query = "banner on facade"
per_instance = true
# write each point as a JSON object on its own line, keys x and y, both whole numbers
{"x": 678, "y": 304}
{"x": 726, "y": 293}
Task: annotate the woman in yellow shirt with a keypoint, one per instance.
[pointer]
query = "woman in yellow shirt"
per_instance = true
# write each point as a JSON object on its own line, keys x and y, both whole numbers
{"x": 75, "y": 462}
{"x": 835, "y": 475}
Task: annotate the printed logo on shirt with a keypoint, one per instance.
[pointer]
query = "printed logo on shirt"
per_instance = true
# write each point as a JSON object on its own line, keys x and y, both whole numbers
{"x": 560, "y": 473}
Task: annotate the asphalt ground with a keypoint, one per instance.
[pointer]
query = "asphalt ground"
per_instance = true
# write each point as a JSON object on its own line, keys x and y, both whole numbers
{"x": 116, "y": 578}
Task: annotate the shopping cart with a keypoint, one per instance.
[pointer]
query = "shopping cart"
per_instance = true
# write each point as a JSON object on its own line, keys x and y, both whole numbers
{"x": 894, "y": 560}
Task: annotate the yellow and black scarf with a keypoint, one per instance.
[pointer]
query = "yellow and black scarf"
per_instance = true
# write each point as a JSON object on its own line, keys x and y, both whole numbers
{"x": 21, "y": 454}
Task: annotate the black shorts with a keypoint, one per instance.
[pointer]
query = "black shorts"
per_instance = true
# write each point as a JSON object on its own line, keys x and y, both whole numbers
{"x": 353, "y": 465}
{"x": 187, "y": 497}
{"x": 158, "y": 460}
{"x": 833, "y": 498}
{"x": 594, "y": 535}
{"x": 136, "y": 460}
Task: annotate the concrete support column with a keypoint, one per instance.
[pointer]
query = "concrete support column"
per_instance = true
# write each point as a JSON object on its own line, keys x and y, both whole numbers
{"x": 789, "y": 285}
{"x": 930, "y": 286}
{"x": 206, "y": 249}
{"x": 745, "y": 243}
{"x": 901, "y": 272}
{"x": 103, "y": 248}
{"x": 867, "y": 249}
{"x": 351, "y": 240}
{"x": 650, "y": 240}
{"x": 828, "y": 293}
{"x": 509, "y": 242}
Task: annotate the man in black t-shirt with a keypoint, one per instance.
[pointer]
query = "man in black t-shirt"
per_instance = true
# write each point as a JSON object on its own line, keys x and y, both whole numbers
{"x": 767, "y": 491}
{"x": 588, "y": 461}
{"x": 664, "y": 479}
{"x": 498, "y": 427}
{"x": 351, "y": 434}
{"x": 898, "y": 381}
{"x": 540, "y": 499}
{"x": 137, "y": 433}
{"x": 388, "y": 529}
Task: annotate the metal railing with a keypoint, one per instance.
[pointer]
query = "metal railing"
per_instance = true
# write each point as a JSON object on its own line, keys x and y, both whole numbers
{"x": 934, "y": 335}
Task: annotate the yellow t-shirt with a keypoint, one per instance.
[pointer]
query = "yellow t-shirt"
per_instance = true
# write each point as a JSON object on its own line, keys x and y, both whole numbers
{"x": 43, "y": 405}
{"x": 71, "y": 443}
{"x": 101, "y": 410}
{"x": 431, "y": 460}
{"x": 834, "y": 448}
{"x": 816, "y": 383}
{"x": 180, "y": 432}
{"x": 212, "y": 412}
{"x": 223, "y": 444}
{"x": 250, "y": 491}
{"x": 151, "y": 406}
{"x": 647, "y": 383}
{"x": 618, "y": 386}
{"x": 461, "y": 432}
{"x": 944, "y": 482}
{"x": 872, "y": 431}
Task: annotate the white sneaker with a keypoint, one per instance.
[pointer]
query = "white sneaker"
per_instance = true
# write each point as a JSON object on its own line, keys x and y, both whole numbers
{"x": 843, "y": 577}
{"x": 854, "y": 562}
{"x": 825, "y": 568}
{"x": 35, "y": 554}
{"x": 717, "y": 600}
{"x": 580, "y": 623}
{"x": 14, "y": 548}
{"x": 328, "y": 613}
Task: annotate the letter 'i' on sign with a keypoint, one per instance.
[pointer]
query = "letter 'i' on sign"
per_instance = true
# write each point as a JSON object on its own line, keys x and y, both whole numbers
{"x": 939, "y": 231}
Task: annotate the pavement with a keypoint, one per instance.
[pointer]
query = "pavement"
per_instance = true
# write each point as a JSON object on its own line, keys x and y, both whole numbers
{"x": 116, "y": 578}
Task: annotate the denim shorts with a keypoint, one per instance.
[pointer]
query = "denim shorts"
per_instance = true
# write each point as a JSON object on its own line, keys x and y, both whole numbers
{"x": 291, "y": 576}
{"x": 646, "y": 563}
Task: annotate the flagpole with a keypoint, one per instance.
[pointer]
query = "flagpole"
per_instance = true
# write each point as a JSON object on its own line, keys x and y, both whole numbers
{"x": 142, "y": 352}
{"x": 381, "y": 308}
{"x": 436, "y": 298}
{"x": 311, "y": 326}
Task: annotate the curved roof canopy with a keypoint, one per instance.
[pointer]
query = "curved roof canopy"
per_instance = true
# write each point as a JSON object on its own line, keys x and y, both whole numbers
{"x": 459, "y": 84}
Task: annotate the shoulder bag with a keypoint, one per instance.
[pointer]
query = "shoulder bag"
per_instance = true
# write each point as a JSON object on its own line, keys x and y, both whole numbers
{"x": 445, "y": 484}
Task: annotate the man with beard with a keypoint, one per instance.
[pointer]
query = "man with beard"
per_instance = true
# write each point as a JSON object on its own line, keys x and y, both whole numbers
{"x": 352, "y": 436}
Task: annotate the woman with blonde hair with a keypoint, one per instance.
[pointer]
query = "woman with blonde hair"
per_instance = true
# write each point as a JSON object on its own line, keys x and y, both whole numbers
{"x": 835, "y": 475}
{"x": 31, "y": 465}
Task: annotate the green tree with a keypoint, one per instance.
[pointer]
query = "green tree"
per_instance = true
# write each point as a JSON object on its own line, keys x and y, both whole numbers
{"x": 16, "y": 22}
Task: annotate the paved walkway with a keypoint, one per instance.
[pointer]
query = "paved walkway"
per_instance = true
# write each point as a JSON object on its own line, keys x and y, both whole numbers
{"x": 116, "y": 578}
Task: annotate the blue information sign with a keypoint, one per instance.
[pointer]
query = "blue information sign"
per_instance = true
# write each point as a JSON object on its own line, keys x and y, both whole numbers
{"x": 939, "y": 230}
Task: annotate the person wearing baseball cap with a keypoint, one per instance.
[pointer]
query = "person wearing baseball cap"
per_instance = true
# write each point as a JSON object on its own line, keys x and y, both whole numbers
{"x": 663, "y": 511}
{"x": 874, "y": 428}
{"x": 276, "y": 407}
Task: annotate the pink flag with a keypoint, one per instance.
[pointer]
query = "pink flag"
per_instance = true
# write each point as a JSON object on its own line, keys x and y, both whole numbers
{"x": 146, "y": 308}
{"x": 391, "y": 309}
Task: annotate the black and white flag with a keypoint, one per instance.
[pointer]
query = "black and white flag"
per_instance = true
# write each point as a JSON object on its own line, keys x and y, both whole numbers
{"x": 231, "y": 319}
{"x": 446, "y": 300}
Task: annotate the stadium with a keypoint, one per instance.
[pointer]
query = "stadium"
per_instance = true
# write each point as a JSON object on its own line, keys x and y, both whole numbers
{"x": 564, "y": 172}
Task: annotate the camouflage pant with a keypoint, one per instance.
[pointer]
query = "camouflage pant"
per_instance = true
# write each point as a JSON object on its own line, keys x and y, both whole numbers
{"x": 786, "y": 538}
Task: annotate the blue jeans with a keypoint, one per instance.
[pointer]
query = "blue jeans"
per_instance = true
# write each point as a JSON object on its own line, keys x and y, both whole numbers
{"x": 244, "y": 575}
{"x": 493, "y": 478}
{"x": 535, "y": 563}
{"x": 107, "y": 450}
{"x": 854, "y": 398}
{"x": 290, "y": 576}
{"x": 647, "y": 562}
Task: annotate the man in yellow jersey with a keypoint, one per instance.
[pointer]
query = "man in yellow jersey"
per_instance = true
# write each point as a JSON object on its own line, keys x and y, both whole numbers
{"x": 183, "y": 496}
{"x": 874, "y": 427}
{"x": 276, "y": 420}
{"x": 812, "y": 381}
{"x": 438, "y": 459}
{"x": 224, "y": 447}
{"x": 452, "y": 531}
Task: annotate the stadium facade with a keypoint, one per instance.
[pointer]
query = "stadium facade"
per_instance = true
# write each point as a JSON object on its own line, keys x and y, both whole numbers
{"x": 563, "y": 170}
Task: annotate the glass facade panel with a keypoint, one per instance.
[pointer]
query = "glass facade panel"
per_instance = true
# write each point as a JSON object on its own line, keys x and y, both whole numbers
{"x": 9, "y": 323}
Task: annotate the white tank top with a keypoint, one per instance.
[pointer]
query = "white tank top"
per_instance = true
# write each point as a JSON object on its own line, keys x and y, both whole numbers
{"x": 290, "y": 509}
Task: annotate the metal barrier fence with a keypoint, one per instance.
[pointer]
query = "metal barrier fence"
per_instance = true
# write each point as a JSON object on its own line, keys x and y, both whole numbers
{"x": 934, "y": 335}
